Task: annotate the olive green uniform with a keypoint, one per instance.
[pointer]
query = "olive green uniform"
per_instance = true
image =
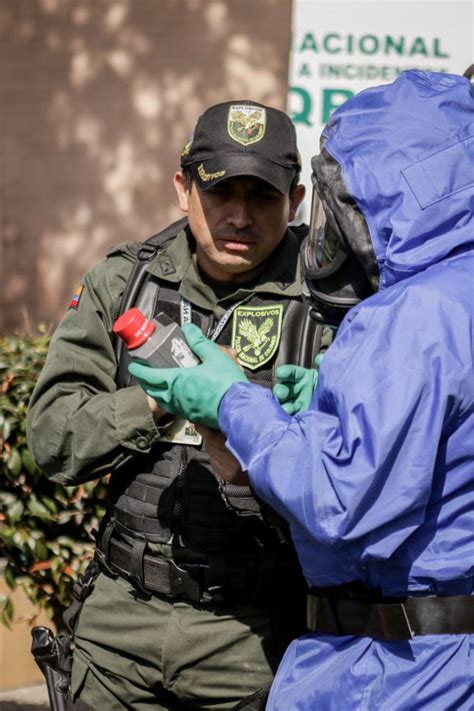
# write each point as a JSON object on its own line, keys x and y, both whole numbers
{"x": 77, "y": 435}
{"x": 135, "y": 650}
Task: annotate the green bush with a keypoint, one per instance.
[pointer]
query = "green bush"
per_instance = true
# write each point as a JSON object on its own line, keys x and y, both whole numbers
{"x": 45, "y": 528}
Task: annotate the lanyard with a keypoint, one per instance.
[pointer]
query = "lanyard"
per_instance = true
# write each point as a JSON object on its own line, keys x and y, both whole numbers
{"x": 186, "y": 311}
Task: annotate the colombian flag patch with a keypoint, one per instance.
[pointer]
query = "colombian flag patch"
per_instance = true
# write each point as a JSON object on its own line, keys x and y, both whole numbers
{"x": 74, "y": 303}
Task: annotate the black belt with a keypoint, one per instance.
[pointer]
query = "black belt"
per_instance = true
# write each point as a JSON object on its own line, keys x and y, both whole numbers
{"x": 215, "y": 580}
{"x": 393, "y": 620}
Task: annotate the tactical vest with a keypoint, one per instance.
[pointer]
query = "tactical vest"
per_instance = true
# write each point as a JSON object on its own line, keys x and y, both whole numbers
{"x": 172, "y": 494}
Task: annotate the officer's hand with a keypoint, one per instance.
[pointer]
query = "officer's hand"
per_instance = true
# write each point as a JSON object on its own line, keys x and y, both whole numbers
{"x": 157, "y": 411}
{"x": 194, "y": 393}
{"x": 296, "y": 386}
{"x": 222, "y": 461}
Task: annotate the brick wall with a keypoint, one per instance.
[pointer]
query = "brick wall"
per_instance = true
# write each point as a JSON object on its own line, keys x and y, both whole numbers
{"x": 97, "y": 98}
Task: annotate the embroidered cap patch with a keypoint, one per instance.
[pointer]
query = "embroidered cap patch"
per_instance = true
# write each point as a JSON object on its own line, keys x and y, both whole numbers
{"x": 187, "y": 146}
{"x": 246, "y": 124}
{"x": 256, "y": 333}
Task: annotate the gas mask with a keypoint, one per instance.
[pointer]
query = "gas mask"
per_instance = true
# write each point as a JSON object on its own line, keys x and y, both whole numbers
{"x": 335, "y": 278}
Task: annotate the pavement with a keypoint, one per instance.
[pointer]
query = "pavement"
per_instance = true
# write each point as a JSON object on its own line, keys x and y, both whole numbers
{"x": 30, "y": 698}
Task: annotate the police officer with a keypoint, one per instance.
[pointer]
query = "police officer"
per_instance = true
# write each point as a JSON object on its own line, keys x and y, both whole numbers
{"x": 376, "y": 477}
{"x": 200, "y": 590}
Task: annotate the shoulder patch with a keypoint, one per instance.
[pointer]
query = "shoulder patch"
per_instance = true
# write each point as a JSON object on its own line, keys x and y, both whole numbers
{"x": 256, "y": 333}
{"x": 74, "y": 303}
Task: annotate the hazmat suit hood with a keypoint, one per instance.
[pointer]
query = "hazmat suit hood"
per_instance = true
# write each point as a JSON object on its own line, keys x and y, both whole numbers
{"x": 391, "y": 176}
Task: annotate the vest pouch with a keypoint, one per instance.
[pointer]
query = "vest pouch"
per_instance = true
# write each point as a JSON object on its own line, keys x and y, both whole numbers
{"x": 208, "y": 521}
{"x": 144, "y": 502}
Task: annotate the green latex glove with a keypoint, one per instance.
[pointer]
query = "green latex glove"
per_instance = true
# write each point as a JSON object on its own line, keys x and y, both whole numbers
{"x": 194, "y": 393}
{"x": 296, "y": 385}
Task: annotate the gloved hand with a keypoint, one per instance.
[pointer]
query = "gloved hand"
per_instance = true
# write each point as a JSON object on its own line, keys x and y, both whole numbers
{"x": 296, "y": 385}
{"x": 194, "y": 393}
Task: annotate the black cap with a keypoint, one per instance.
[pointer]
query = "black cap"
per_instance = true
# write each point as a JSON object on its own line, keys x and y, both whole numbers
{"x": 239, "y": 138}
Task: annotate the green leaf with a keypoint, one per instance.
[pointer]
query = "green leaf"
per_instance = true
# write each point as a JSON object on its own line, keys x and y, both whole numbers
{"x": 9, "y": 576}
{"x": 38, "y": 509}
{"x": 66, "y": 541}
{"x": 41, "y": 551}
{"x": 15, "y": 512}
{"x": 6, "y": 610}
{"x": 49, "y": 504}
{"x": 7, "y": 535}
{"x": 14, "y": 461}
{"x": 6, "y": 428}
{"x": 29, "y": 463}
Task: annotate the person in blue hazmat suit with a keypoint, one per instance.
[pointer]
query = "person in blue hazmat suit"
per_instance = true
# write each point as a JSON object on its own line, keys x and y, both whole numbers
{"x": 376, "y": 476}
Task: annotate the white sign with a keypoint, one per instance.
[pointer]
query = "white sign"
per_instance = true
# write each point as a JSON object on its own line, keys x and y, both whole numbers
{"x": 340, "y": 47}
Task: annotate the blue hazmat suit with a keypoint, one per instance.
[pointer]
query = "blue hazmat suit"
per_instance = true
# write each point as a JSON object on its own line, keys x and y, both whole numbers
{"x": 376, "y": 478}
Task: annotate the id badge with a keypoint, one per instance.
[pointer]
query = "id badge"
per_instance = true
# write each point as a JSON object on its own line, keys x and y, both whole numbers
{"x": 181, "y": 431}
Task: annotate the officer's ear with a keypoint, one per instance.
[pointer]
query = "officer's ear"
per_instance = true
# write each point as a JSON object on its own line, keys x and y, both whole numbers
{"x": 182, "y": 190}
{"x": 296, "y": 198}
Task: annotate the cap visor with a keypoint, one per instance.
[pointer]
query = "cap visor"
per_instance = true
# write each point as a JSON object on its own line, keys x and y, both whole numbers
{"x": 208, "y": 173}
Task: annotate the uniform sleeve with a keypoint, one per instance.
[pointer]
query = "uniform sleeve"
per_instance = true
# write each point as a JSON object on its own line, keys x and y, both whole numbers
{"x": 356, "y": 469}
{"x": 79, "y": 425}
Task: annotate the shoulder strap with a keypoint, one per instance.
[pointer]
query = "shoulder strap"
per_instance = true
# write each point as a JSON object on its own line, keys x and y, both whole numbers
{"x": 301, "y": 338}
{"x": 147, "y": 251}
{"x": 301, "y": 335}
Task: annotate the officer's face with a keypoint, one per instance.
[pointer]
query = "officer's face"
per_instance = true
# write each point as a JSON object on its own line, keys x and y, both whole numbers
{"x": 237, "y": 224}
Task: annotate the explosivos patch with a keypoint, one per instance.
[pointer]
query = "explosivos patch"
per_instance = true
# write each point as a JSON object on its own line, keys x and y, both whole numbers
{"x": 256, "y": 333}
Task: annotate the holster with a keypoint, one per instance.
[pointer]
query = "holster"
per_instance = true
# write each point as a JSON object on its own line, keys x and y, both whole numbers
{"x": 53, "y": 655}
